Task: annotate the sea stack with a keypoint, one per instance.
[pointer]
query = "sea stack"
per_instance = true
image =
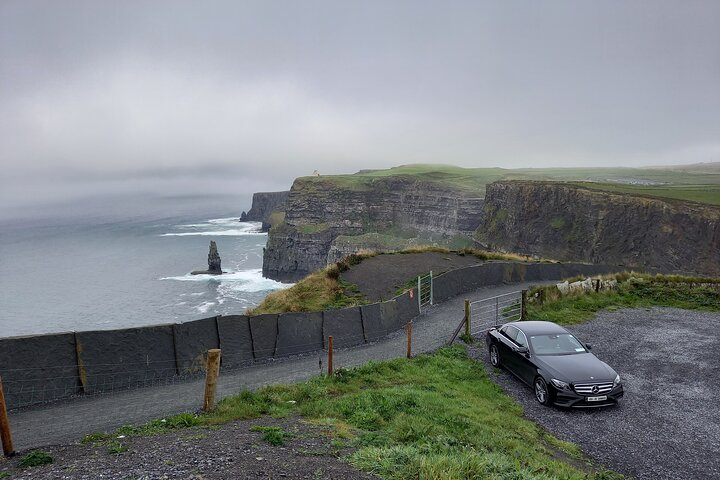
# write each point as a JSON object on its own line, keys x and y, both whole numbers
{"x": 213, "y": 262}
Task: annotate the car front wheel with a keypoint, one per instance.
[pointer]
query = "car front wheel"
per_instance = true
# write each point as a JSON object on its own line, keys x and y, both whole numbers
{"x": 494, "y": 356}
{"x": 542, "y": 392}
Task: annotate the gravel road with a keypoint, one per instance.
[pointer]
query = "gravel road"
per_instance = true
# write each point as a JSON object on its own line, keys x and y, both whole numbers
{"x": 668, "y": 424}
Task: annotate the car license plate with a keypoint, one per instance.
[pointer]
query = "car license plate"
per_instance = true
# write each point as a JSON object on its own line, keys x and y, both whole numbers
{"x": 597, "y": 399}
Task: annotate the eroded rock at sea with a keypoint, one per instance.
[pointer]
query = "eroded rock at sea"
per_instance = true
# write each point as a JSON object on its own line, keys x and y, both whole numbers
{"x": 213, "y": 262}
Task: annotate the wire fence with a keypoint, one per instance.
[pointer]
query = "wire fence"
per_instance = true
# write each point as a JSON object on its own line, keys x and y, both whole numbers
{"x": 488, "y": 312}
{"x": 103, "y": 402}
{"x": 425, "y": 290}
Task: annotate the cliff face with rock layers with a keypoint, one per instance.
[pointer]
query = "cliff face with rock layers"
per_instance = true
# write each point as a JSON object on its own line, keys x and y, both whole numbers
{"x": 264, "y": 204}
{"x": 365, "y": 212}
{"x": 571, "y": 222}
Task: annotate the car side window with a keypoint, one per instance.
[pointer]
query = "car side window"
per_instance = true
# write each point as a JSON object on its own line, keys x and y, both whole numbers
{"x": 521, "y": 339}
{"x": 511, "y": 332}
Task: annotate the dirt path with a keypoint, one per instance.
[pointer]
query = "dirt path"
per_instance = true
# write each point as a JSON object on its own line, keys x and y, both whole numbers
{"x": 379, "y": 277}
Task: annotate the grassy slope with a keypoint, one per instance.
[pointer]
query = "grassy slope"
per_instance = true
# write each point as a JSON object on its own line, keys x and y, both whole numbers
{"x": 672, "y": 183}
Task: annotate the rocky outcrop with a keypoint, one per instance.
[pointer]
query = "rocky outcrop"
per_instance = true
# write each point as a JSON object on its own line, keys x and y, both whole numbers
{"x": 213, "y": 262}
{"x": 319, "y": 209}
{"x": 263, "y": 206}
{"x": 571, "y": 222}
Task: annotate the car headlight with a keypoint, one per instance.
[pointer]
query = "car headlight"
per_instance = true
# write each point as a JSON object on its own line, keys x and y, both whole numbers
{"x": 616, "y": 382}
{"x": 560, "y": 384}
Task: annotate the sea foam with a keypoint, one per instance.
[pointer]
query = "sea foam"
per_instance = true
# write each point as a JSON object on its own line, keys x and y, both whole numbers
{"x": 218, "y": 227}
{"x": 241, "y": 281}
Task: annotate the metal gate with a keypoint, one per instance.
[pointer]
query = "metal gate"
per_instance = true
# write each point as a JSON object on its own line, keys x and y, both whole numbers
{"x": 492, "y": 311}
{"x": 481, "y": 315}
{"x": 425, "y": 290}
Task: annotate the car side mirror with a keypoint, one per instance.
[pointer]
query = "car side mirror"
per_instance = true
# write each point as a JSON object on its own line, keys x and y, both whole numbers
{"x": 522, "y": 350}
{"x": 588, "y": 346}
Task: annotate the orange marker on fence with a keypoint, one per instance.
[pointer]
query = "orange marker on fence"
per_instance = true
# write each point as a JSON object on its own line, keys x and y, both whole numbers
{"x": 7, "y": 443}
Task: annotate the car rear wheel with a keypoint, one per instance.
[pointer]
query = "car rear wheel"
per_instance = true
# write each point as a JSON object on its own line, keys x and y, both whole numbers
{"x": 494, "y": 356}
{"x": 542, "y": 393}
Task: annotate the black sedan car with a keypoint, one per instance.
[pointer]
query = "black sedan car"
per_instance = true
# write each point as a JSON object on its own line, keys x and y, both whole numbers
{"x": 559, "y": 367}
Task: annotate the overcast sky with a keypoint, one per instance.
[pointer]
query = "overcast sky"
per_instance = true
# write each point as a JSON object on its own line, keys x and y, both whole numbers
{"x": 112, "y": 95}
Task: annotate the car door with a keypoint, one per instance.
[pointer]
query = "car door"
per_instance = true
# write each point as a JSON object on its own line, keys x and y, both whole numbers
{"x": 525, "y": 367}
{"x": 507, "y": 347}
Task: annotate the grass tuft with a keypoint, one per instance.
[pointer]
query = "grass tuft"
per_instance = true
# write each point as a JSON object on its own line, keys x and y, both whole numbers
{"x": 35, "y": 459}
{"x": 272, "y": 435}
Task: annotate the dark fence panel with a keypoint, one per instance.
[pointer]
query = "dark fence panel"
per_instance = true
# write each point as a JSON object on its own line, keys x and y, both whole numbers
{"x": 372, "y": 321}
{"x": 299, "y": 333}
{"x": 235, "y": 340}
{"x": 264, "y": 330}
{"x": 344, "y": 325}
{"x": 407, "y": 306}
{"x": 38, "y": 369}
{"x": 135, "y": 357}
{"x": 192, "y": 341}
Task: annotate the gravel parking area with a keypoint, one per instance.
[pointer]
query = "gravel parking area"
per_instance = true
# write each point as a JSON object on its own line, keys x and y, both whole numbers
{"x": 668, "y": 424}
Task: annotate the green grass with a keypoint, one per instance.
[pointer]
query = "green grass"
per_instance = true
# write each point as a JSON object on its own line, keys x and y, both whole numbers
{"x": 322, "y": 290}
{"x": 312, "y": 228}
{"x": 272, "y": 435}
{"x": 634, "y": 291}
{"x": 671, "y": 183}
{"x": 116, "y": 448}
{"x": 436, "y": 416}
{"x": 35, "y": 459}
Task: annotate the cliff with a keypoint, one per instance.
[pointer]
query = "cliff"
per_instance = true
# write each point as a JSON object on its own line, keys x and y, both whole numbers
{"x": 572, "y": 222}
{"x": 263, "y": 206}
{"x": 400, "y": 209}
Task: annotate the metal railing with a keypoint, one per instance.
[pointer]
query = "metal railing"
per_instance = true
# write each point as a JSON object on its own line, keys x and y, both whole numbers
{"x": 486, "y": 313}
{"x": 481, "y": 315}
{"x": 425, "y": 290}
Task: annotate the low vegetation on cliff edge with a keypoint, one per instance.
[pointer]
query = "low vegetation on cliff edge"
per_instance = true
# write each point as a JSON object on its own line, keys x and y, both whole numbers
{"x": 325, "y": 290}
{"x": 634, "y": 290}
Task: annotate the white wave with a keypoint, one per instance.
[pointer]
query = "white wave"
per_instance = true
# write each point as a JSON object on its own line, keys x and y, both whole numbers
{"x": 218, "y": 227}
{"x": 235, "y": 232}
{"x": 204, "y": 307}
{"x": 241, "y": 281}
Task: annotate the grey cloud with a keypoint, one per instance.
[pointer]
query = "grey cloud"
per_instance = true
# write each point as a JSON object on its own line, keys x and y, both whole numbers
{"x": 107, "y": 89}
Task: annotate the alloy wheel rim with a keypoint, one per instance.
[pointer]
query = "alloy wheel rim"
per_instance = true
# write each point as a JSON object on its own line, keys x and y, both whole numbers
{"x": 493, "y": 356}
{"x": 540, "y": 391}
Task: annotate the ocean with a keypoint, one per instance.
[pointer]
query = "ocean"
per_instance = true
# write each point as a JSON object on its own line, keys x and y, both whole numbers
{"x": 126, "y": 262}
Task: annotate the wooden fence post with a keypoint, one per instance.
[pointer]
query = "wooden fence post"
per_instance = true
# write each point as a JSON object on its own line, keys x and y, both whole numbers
{"x": 409, "y": 345}
{"x": 330, "y": 356}
{"x": 213, "y": 370}
{"x": 523, "y": 308}
{"x": 467, "y": 317}
{"x": 7, "y": 443}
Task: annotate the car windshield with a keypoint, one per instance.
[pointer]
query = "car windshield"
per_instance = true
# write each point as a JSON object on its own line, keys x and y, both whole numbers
{"x": 556, "y": 344}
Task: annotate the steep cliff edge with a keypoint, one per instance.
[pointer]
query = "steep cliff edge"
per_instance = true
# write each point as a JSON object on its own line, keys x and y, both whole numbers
{"x": 263, "y": 205}
{"x": 570, "y": 222}
{"x": 401, "y": 208}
